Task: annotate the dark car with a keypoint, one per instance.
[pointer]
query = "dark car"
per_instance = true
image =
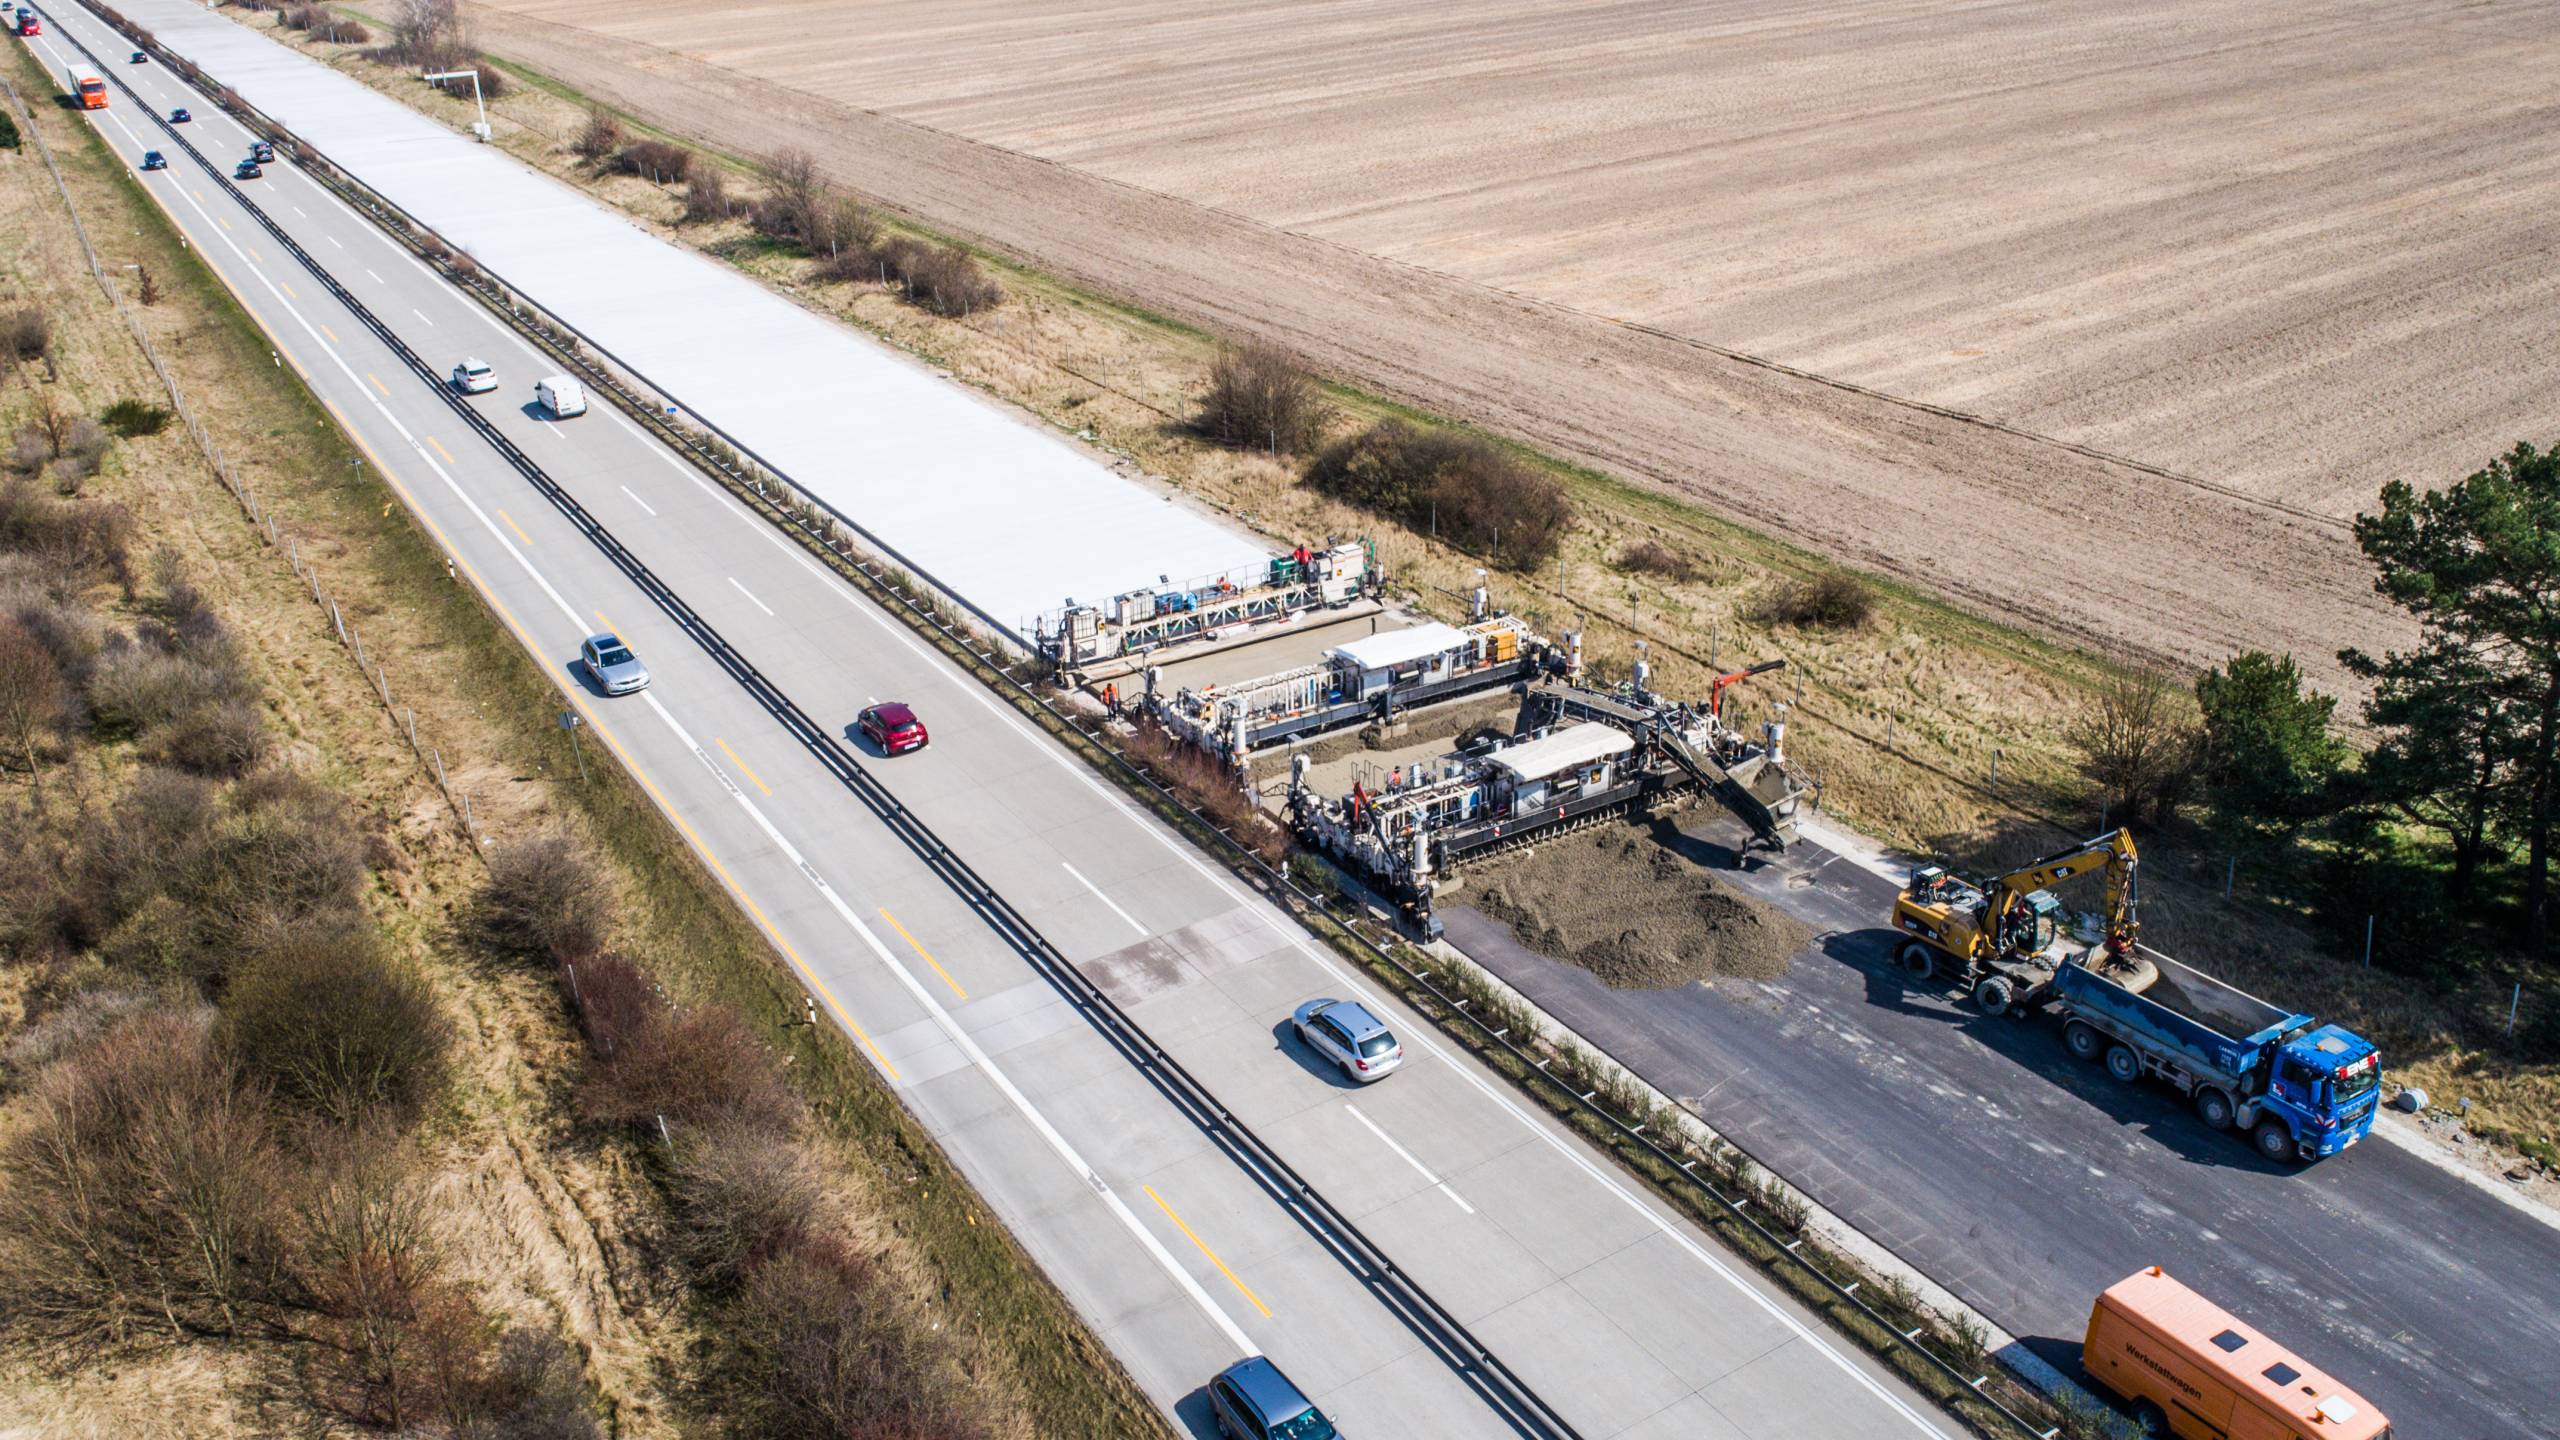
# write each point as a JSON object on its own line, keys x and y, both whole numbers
{"x": 894, "y": 728}
{"x": 262, "y": 152}
{"x": 154, "y": 160}
{"x": 1254, "y": 1401}
{"x": 139, "y": 59}
{"x": 180, "y": 116}
{"x": 246, "y": 170}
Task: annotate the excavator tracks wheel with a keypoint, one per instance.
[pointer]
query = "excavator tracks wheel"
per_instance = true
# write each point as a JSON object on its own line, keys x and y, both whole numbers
{"x": 1916, "y": 960}
{"x": 1994, "y": 995}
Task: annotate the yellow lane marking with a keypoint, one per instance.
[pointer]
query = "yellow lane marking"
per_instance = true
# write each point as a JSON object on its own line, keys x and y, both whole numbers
{"x": 288, "y": 291}
{"x": 333, "y": 339}
{"x": 512, "y": 525}
{"x": 224, "y": 223}
{"x": 743, "y": 767}
{"x": 595, "y": 721}
{"x": 601, "y": 618}
{"x": 1241, "y": 1287}
{"x": 447, "y": 454}
{"x": 920, "y": 950}
{"x": 378, "y": 385}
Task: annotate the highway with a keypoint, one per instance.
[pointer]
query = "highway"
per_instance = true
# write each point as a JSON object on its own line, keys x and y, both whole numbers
{"x": 1184, "y": 1247}
{"x": 1978, "y": 1150}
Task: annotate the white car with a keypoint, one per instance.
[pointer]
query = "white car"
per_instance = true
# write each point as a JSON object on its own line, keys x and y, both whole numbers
{"x": 474, "y": 377}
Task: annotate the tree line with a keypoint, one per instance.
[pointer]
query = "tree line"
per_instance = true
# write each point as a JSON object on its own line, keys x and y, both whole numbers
{"x": 2442, "y": 830}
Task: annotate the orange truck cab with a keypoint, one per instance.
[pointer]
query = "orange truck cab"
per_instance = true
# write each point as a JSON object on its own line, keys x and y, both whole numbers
{"x": 2190, "y": 1369}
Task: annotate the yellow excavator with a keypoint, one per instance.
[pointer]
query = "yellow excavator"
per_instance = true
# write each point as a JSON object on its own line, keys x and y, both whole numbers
{"x": 2002, "y": 937}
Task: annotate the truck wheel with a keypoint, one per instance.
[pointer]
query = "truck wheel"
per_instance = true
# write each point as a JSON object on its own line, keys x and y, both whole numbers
{"x": 2214, "y": 1107}
{"x": 2123, "y": 1064}
{"x": 2083, "y": 1040}
{"x": 1994, "y": 994}
{"x": 2150, "y": 1419}
{"x": 1916, "y": 960}
{"x": 2275, "y": 1142}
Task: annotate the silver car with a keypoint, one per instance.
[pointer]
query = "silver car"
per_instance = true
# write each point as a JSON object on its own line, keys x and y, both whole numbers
{"x": 612, "y": 666}
{"x": 1344, "y": 1032}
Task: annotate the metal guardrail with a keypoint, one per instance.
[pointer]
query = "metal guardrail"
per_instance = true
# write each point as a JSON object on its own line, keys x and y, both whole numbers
{"x": 1485, "y": 1373}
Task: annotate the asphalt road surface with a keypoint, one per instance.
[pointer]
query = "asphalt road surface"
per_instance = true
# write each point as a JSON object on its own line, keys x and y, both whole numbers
{"x": 1978, "y": 1150}
{"x": 1626, "y": 1320}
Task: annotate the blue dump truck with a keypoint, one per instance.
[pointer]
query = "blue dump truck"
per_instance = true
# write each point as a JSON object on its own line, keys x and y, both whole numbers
{"x": 2301, "y": 1090}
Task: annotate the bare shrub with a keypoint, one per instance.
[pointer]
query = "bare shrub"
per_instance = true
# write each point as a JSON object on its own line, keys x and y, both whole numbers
{"x": 949, "y": 281}
{"x": 429, "y": 35}
{"x": 817, "y": 1345}
{"x": 25, "y": 334}
{"x": 140, "y": 688}
{"x": 612, "y": 1000}
{"x": 1259, "y": 398}
{"x": 34, "y": 702}
{"x": 338, "y": 1027}
{"x": 657, "y": 161}
{"x": 545, "y": 899}
{"x": 1207, "y": 783}
{"x": 2139, "y": 745}
{"x": 1832, "y": 600}
{"x": 1652, "y": 557}
{"x": 70, "y": 539}
{"x": 698, "y": 1067}
{"x": 212, "y": 737}
{"x": 30, "y": 450}
{"x": 186, "y": 879}
{"x": 598, "y": 136}
{"x": 141, "y": 1202}
{"x": 1469, "y": 491}
{"x": 706, "y": 194}
{"x": 434, "y": 248}
{"x": 740, "y": 1194}
{"x": 83, "y": 449}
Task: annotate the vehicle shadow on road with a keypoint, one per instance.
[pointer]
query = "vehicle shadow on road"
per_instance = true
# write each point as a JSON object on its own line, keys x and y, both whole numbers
{"x": 1284, "y": 1036}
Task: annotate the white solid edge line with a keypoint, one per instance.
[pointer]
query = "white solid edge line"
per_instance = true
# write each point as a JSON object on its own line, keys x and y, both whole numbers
{"x": 942, "y": 1018}
{"x": 1105, "y": 899}
{"x": 1407, "y": 1157}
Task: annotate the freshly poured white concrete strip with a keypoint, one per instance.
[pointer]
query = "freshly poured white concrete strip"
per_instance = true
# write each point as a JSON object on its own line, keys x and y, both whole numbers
{"x": 1012, "y": 518}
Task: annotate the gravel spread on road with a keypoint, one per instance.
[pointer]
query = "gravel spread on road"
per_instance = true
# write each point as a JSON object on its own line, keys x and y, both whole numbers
{"x": 1635, "y": 914}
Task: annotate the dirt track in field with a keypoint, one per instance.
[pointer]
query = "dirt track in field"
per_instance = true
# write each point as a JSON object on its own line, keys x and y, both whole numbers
{"x": 2283, "y": 252}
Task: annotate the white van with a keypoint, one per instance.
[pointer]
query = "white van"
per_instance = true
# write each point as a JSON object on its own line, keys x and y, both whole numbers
{"x": 562, "y": 396}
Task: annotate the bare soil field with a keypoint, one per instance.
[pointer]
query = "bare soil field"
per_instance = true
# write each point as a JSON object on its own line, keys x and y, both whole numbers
{"x": 2285, "y": 254}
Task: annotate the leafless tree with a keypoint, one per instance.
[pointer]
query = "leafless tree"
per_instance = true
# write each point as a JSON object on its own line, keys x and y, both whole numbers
{"x": 32, "y": 697}
{"x": 1259, "y": 399}
{"x": 2138, "y": 744}
{"x": 601, "y": 133}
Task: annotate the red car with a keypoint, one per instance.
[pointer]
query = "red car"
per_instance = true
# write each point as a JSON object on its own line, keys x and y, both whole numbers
{"x": 894, "y": 728}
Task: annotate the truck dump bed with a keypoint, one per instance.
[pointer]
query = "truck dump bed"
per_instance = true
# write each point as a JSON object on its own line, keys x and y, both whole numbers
{"x": 2220, "y": 1028}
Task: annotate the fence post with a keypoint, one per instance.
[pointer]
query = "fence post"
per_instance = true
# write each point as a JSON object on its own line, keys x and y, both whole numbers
{"x": 1995, "y": 769}
{"x": 2230, "y": 873}
{"x": 2514, "y": 999}
{"x": 2368, "y": 942}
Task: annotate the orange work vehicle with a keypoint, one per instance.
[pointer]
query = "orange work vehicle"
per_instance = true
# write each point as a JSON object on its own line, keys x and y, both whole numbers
{"x": 91, "y": 90}
{"x": 2190, "y": 1369}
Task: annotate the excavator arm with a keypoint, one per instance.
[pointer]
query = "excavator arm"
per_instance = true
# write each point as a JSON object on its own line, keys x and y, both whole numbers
{"x": 2114, "y": 849}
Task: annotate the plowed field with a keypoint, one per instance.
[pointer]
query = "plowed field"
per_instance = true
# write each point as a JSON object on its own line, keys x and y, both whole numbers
{"x": 2271, "y": 255}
